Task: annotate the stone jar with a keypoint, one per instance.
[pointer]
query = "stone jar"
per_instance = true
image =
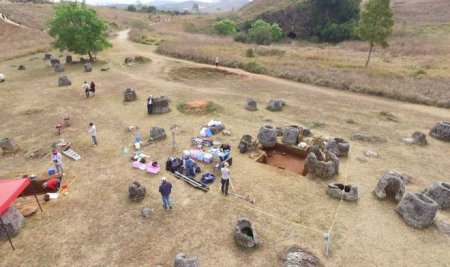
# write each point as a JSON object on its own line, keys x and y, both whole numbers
{"x": 439, "y": 192}
{"x": 245, "y": 233}
{"x": 290, "y": 134}
{"x": 267, "y": 136}
{"x": 441, "y": 131}
{"x": 417, "y": 209}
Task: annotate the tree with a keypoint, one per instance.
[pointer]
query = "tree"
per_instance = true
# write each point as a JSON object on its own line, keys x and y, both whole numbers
{"x": 224, "y": 27}
{"x": 263, "y": 33}
{"x": 78, "y": 29}
{"x": 131, "y": 8}
{"x": 375, "y": 24}
{"x": 195, "y": 7}
{"x": 333, "y": 20}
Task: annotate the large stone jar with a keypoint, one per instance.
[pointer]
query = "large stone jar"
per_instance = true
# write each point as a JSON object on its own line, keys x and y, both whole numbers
{"x": 267, "y": 136}
{"x": 417, "y": 209}
{"x": 290, "y": 134}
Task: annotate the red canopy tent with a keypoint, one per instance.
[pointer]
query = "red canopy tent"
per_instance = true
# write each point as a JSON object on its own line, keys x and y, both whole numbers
{"x": 10, "y": 189}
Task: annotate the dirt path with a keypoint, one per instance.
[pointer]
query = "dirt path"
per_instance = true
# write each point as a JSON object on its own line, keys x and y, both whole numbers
{"x": 5, "y": 19}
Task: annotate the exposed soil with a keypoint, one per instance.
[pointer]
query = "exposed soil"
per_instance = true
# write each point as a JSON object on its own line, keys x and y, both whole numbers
{"x": 285, "y": 160}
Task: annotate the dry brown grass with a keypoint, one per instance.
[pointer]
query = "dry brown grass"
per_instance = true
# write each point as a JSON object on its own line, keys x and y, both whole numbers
{"x": 414, "y": 68}
{"x": 96, "y": 225}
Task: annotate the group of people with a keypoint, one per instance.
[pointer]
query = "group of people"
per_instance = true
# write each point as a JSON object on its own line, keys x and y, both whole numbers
{"x": 89, "y": 89}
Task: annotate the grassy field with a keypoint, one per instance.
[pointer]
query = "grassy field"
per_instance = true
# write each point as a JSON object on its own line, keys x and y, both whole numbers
{"x": 413, "y": 69}
{"x": 96, "y": 225}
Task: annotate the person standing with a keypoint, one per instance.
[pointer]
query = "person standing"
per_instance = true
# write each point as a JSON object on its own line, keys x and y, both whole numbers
{"x": 86, "y": 88}
{"x": 57, "y": 160}
{"x": 150, "y": 105}
{"x": 93, "y": 88}
{"x": 225, "y": 178}
{"x": 93, "y": 132}
{"x": 165, "y": 189}
{"x": 216, "y": 61}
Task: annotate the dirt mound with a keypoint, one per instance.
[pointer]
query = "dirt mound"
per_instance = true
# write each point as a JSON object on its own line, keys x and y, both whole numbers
{"x": 197, "y": 107}
{"x": 193, "y": 73}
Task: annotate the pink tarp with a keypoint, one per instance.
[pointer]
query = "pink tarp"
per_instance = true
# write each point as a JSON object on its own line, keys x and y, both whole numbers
{"x": 10, "y": 189}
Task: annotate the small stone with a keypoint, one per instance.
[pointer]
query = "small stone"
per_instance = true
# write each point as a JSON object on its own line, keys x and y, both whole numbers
{"x": 275, "y": 105}
{"x": 182, "y": 260}
{"x": 420, "y": 138}
{"x": 146, "y": 212}
{"x": 408, "y": 140}
{"x": 104, "y": 69}
{"x": 64, "y": 81}
{"x": 226, "y": 132}
{"x": 21, "y": 67}
{"x": 58, "y": 68}
{"x": 299, "y": 257}
{"x": 442, "y": 226}
{"x": 128, "y": 60}
{"x": 350, "y": 121}
{"x": 370, "y": 154}
{"x": 136, "y": 191}
{"x": 251, "y": 105}
{"x": 87, "y": 67}
{"x": 157, "y": 134}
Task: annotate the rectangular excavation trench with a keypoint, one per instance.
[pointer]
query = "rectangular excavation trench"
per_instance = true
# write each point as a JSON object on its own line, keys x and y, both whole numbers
{"x": 285, "y": 157}
{"x": 35, "y": 186}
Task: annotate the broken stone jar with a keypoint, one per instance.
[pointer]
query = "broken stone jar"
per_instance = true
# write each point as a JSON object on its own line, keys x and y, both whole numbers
{"x": 245, "y": 233}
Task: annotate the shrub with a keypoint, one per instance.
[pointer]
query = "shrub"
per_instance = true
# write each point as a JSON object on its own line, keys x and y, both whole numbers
{"x": 250, "y": 52}
{"x": 255, "y": 67}
{"x": 181, "y": 105}
{"x": 242, "y": 37}
{"x": 224, "y": 27}
{"x": 333, "y": 32}
{"x": 263, "y": 33}
{"x": 131, "y": 8}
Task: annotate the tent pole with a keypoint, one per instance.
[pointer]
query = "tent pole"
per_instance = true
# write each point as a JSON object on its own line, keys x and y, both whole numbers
{"x": 34, "y": 193}
{"x": 6, "y": 232}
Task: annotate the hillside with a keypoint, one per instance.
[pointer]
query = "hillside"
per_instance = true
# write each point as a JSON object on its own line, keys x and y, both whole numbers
{"x": 258, "y": 7}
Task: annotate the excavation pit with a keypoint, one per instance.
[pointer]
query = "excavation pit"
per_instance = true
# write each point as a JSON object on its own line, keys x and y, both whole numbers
{"x": 285, "y": 157}
{"x": 35, "y": 186}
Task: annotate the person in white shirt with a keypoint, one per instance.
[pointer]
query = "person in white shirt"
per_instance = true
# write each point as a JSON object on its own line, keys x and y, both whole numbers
{"x": 86, "y": 88}
{"x": 225, "y": 178}
{"x": 57, "y": 160}
{"x": 93, "y": 132}
{"x": 216, "y": 61}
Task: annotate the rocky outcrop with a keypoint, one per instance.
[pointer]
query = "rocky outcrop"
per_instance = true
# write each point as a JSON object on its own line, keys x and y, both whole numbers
{"x": 157, "y": 134}
{"x": 87, "y": 67}
{"x": 291, "y": 134}
{"x": 129, "y": 95}
{"x": 267, "y": 136}
{"x": 13, "y": 220}
{"x": 417, "y": 209}
{"x": 64, "y": 81}
{"x": 439, "y": 192}
{"x": 338, "y": 146}
{"x": 275, "y": 105}
{"x": 391, "y": 184}
{"x": 182, "y": 260}
{"x": 322, "y": 169}
{"x": 136, "y": 191}
{"x": 299, "y": 257}
{"x": 251, "y": 105}
{"x": 346, "y": 192}
{"x": 245, "y": 233}
{"x": 441, "y": 131}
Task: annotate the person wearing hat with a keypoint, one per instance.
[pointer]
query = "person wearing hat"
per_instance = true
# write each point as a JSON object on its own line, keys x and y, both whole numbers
{"x": 225, "y": 178}
{"x": 57, "y": 160}
{"x": 52, "y": 184}
{"x": 165, "y": 189}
